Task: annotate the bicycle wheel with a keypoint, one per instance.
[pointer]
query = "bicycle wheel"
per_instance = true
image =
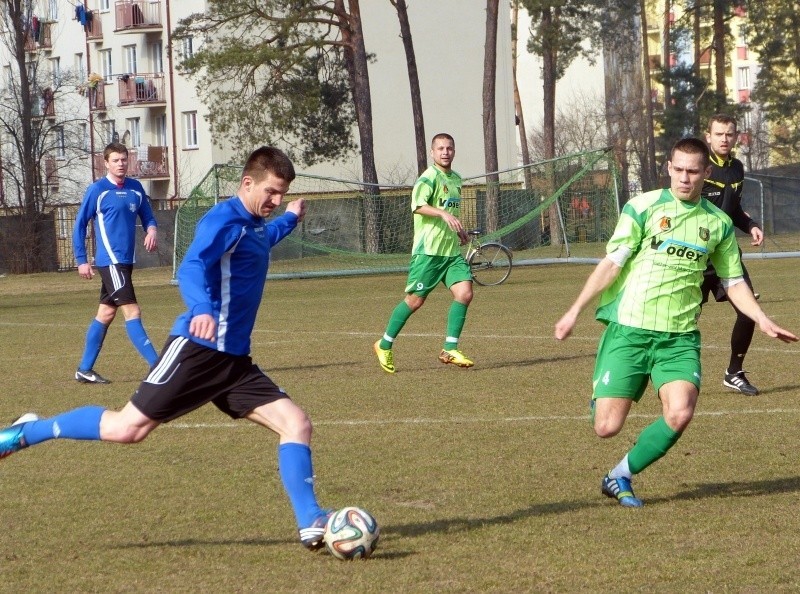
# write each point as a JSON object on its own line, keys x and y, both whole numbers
{"x": 490, "y": 264}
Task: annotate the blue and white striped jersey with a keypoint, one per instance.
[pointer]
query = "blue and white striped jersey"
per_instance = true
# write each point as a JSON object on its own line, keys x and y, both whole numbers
{"x": 225, "y": 270}
{"x": 114, "y": 210}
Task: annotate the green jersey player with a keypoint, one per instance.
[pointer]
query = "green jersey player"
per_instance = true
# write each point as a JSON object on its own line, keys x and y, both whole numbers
{"x": 436, "y": 255}
{"x": 649, "y": 284}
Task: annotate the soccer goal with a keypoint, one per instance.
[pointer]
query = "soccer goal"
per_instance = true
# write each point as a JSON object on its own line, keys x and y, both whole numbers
{"x": 563, "y": 209}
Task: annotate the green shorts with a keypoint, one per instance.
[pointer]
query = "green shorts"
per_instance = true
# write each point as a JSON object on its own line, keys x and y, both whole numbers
{"x": 425, "y": 272}
{"x": 627, "y": 357}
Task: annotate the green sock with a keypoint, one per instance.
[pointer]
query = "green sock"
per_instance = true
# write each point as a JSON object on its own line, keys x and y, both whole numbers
{"x": 654, "y": 441}
{"x": 455, "y": 323}
{"x": 398, "y": 319}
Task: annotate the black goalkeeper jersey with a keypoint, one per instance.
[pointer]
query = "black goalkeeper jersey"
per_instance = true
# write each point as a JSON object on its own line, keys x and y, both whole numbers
{"x": 724, "y": 187}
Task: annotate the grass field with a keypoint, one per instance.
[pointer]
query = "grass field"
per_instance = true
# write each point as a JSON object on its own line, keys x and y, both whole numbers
{"x": 484, "y": 480}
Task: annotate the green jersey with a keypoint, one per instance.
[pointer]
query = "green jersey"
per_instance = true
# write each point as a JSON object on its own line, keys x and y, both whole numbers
{"x": 436, "y": 188}
{"x": 671, "y": 242}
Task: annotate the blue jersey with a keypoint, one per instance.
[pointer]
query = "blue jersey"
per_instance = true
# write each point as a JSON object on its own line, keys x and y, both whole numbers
{"x": 114, "y": 209}
{"x": 224, "y": 272}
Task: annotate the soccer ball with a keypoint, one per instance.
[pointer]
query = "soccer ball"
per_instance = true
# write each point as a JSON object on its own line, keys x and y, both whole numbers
{"x": 351, "y": 533}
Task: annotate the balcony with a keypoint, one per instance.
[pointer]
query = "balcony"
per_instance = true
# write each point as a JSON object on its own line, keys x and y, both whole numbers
{"x": 141, "y": 90}
{"x": 97, "y": 97}
{"x": 94, "y": 27}
{"x": 744, "y": 95}
{"x": 39, "y": 37}
{"x": 137, "y": 16}
{"x": 148, "y": 162}
{"x": 144, "y": 162}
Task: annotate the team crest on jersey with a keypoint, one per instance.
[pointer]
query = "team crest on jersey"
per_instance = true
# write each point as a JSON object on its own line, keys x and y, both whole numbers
{"x": 132, "y": 207}
{"x": 704, "y": 233}
{"x": 665, "y": 224}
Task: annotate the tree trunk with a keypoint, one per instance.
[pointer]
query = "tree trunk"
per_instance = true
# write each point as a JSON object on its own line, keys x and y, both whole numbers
{"x": 490, "y": 118}
{"x": 356, "y": 60}
{"x": 549, "y": 63}
{"x": 667, "y": 53}
{"x": 698, "y": 52}
{"x": 413, "y": 80}
{"x": 649, "y": 168}
{"x": 719, "y": 54}
{"x": 523, "y": 134}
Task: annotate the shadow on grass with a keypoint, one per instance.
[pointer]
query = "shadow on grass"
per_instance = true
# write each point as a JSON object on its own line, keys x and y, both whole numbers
{"x": 733, "y": 489}
{"x": 457, "y": 525}
{"x": 778, "y": 390}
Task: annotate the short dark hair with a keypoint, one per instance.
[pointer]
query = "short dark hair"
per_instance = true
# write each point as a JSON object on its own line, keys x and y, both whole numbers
{"x": 722, "y": 118}
{"x": 268, "y": 159}
{"x": 692, "y": 146}
{"x": 444, "y": 135}
{"x": 114, "y": 147}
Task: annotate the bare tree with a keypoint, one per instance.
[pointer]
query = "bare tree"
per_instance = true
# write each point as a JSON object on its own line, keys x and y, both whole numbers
{"x": 413, "y": 81}
{"x": 38, "y": 144}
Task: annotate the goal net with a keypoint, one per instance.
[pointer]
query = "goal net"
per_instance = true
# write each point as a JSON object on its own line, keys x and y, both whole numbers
{"x": 555, "y": 210}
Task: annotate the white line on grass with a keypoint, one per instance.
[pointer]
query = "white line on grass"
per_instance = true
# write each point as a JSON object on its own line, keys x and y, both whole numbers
{"x": 473, "y": 420}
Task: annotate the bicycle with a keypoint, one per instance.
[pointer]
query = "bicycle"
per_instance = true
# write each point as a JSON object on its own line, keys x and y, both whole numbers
{"x": 490, "y": 262}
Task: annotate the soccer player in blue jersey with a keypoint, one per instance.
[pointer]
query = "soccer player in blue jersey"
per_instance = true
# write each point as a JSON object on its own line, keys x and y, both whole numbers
{"x": 206, "y": 358}
{"x": 113, "y": 203}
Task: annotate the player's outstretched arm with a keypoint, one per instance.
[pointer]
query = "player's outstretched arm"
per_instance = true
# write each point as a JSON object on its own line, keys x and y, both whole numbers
{"x": 742, "y": 297}
{"x": 605, "y": 273}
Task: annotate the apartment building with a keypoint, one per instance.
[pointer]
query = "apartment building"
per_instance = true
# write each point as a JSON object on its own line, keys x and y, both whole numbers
{"x": 741, "y": 64}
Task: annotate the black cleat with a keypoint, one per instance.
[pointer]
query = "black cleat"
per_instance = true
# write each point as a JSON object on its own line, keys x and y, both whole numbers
{"x": 90, "y": 377}
{"x": 738, "y": 381}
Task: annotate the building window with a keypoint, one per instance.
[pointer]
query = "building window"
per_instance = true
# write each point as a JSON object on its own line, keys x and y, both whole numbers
{"x": 190, "y": 129}
{"x": 52, "y": 10}
{"x": 747, "y": 120}
{"x": 188, "y": 47}
{"x": 84, "y": 132}
{"x": 61, "y": 145}
{"x": 105, "y": 65}
{"x": 744, "y": 78}
{"x": 130, "y": 59}
{"x": 110, "y": 131}
{"x": 105, "y": 5}
{"x": 55, "y": 71}
{"x": 161, "y": 130}
{"x": 157, "y": 57}
{"x": 80, "y": 68}
{"x": 8, "y": 77}
{"x": 136, "y": 132}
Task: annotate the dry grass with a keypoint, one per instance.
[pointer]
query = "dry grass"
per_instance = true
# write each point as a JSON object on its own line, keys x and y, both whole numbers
{"x": 482, "y": 480}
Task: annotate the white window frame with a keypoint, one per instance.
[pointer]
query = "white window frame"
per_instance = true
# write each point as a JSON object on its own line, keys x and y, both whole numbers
{"x": 60, "y": 143}
{"x": 109, "y": 130}
{"x": 52, "y": 10}
{"x": 135, "y": 128}
{"x": 84, "y": 131}
{"x": 190, "y": 130}
{"x": 55, "y": 71}
{"x": 106, "y": 65}
{"x": 161, "y": 130}
{"x": 157, "y": 57}
{"x": 744, "y": 77}
{"x": 187, "y": 46}
{"x": 131, "y": 63}
{"x": 80, "y": 68}
{"x": 105, "y": 5}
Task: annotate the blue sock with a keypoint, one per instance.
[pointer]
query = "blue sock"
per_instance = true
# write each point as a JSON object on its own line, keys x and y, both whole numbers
{"x": 297, "y": 474}
{"x": 139, "y": 339}
{"x": 80, "y": 423}
{"x": 95, "y": 336}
